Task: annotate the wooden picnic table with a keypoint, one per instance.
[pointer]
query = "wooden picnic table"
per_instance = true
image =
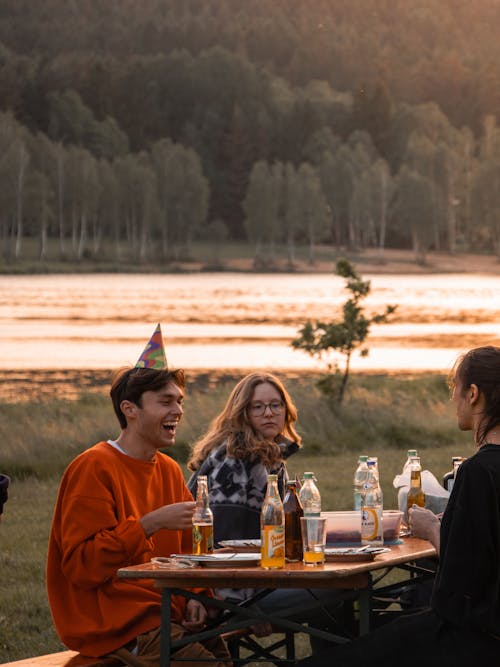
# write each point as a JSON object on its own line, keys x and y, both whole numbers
{"x": 343, "y": 576}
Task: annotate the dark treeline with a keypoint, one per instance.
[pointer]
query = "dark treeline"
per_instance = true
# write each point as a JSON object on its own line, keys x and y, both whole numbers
{"x": 144, "y": 126}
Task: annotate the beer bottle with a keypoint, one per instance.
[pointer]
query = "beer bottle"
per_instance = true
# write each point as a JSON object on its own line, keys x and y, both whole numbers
{"x": 272, "y": 527}
{"x": 410, "y": 455}
{"x": 372, "y": 507}
{"x": 293, "y": 512}
{"x": 203, "y": 520}
{"x": 416, "y": 496}
{"x": 309, "y": 496}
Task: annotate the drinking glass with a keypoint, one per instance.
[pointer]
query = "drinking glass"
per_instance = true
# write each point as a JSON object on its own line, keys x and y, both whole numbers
{"x": 313, "y": 539}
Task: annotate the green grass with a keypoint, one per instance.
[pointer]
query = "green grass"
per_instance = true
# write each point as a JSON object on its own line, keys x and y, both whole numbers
{"x": 204, "y": 254}
{"x": 25, "y": 624}
{"x": 382, "y": 416}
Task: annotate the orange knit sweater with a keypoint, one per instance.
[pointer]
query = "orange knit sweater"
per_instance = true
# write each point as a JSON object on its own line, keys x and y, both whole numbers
{"x": 95, "y": 531}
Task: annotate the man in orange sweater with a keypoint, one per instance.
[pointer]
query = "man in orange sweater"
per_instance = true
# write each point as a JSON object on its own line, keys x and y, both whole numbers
{"x": 120, "y": 503}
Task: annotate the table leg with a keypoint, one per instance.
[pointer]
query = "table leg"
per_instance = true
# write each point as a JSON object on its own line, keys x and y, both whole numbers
{"x": 165, "y": 640}
{"x": 364, "y": 601}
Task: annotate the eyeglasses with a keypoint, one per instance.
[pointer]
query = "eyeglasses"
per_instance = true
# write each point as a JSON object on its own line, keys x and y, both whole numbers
{"x": 258, "y": 409}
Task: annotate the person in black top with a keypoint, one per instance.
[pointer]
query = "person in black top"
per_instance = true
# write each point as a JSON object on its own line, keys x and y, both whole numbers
{"x": 463, "y": 622}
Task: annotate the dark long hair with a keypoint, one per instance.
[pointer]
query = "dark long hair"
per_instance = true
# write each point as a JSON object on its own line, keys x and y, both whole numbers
{"x": 481, "y": 366}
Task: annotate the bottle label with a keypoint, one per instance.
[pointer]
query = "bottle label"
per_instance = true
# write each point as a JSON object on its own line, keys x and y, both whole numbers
{"x": 371, "y": 523}
{"x": 273, "y": 544}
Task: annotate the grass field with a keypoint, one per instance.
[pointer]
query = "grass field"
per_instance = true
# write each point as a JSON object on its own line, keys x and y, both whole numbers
{"x": 383, "y": 416}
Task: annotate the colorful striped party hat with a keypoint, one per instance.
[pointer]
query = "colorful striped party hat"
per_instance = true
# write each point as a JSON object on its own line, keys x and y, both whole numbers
{"x": 153, "y": 355}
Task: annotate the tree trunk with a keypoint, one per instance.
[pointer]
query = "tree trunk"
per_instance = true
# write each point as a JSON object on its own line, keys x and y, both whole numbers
{"x": 74, "y": 231}
{"x": 383, "y": 215}
{"x": 258, "y": 251}
{"x": 23, "y": 161}
{"x": 133, "y": 236}
{"x": 116, "y": 229}
{"x": 60, "y": 200}
{"x": 164, "y": 238}
{"x": 291, "y": 251}
{"x": 352, "y": 233}
{"x": 452, "y": 229}
{"x": 143, "y": 242}
{"x": 311, "y": 248}
{"x": 42, "y": 254}
{"x": 96, "y": 235}
{"x": 345, "y": 377}
{"x": 83, "y": 235}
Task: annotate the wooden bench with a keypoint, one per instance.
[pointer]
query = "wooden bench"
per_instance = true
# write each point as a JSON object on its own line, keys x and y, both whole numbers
{"x": 236, "y": 640}
{"x": 60, "y": 659}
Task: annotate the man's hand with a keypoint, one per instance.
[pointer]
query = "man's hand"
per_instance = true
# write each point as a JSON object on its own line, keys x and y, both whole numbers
{"x": 425, "y": 524}
{"x": 196, "y": 616}
{"x": 177, "y": 516}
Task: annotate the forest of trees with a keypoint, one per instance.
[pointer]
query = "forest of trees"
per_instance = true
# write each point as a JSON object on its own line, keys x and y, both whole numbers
{"x": 148, "y": 125}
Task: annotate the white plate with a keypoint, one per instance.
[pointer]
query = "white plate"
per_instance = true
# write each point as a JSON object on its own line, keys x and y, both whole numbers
{"x": 353, "y": 553}
{"x": 232, "y": 559}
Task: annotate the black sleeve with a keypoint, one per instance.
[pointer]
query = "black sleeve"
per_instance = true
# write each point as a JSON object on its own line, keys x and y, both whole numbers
{"x": 467, "y": 588}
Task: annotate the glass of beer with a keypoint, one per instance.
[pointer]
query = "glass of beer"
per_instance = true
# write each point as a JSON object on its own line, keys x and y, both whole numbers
{"x": 313, "y": 539}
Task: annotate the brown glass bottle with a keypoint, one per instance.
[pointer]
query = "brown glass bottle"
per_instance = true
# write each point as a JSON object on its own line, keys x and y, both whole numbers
{"x": 416, "y": 496}
{"x": 293, "y": 512}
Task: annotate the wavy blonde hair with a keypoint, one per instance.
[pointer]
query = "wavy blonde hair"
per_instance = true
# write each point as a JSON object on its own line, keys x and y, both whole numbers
{"x": 232, "y": 426}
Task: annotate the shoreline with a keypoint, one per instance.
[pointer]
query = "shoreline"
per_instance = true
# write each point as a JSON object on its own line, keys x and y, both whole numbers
{"x": 70, "y": 384}
{"x": 369, "y": 261}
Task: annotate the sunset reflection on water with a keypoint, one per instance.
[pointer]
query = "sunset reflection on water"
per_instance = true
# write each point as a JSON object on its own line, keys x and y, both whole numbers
{"x": 236, "y": 320}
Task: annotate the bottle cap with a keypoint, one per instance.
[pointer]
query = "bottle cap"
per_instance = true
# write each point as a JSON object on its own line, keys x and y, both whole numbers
{"x": 363, "y": 459}
{"x": 272, "y": 478}
{"x": 308, "y": 475}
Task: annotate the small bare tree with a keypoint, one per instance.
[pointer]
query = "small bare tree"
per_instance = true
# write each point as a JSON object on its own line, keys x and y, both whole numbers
{"x": 346, "y": 335}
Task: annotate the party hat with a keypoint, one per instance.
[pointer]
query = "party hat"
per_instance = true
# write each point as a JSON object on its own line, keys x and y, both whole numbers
{"x": 153, "y": 355}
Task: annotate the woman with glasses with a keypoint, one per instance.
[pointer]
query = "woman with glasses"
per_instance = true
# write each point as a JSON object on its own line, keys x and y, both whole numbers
{"x": 251, "y": 438}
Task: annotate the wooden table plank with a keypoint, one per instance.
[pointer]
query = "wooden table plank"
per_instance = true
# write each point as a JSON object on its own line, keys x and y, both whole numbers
{"x": 293, "y": 575}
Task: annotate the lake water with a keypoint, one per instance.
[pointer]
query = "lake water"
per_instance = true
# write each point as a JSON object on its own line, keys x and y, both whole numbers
{"x": 236, "y": 321}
